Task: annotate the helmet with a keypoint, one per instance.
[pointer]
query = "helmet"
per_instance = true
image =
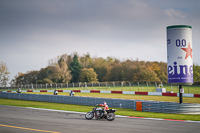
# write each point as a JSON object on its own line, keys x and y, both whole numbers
{"x": 104, "y": 103}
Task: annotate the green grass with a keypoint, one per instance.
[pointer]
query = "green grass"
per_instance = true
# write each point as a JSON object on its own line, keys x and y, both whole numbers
{"x": 81, "y": 108}
{"x": 126, "y": 96}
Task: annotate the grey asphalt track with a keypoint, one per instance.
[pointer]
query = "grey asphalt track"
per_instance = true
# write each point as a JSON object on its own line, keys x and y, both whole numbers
{"x": 25, "y": 120}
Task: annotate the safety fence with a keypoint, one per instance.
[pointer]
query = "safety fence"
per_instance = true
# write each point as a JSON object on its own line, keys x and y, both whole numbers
{"x": 108, "y": 86}
{"x": 86, "y": 85}
{"x": 138, "y": 105}
{"x": 116, "y": 92}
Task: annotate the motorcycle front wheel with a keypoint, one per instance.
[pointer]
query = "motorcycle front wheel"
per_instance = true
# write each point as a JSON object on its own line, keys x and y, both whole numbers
{"x": 89, "y": 115}
{"x": 110, "y": 116}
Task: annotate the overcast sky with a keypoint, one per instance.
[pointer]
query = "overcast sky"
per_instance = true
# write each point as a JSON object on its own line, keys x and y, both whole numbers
{"x": 34, "y": 31}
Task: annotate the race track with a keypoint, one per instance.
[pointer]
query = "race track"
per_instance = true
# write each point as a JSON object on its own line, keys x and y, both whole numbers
{"x": 26, "y": 120}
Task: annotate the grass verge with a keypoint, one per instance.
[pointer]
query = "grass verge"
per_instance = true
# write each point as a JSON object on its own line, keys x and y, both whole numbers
{"x": 81, "y": 108}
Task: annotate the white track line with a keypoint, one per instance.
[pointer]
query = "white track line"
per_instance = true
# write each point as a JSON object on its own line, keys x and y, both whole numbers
{"x": 120, "y": 116}
{"x": 74, "y": 112}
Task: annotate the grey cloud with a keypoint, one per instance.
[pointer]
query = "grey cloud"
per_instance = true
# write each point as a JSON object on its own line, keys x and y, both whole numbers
{"x": 123, "y": 28}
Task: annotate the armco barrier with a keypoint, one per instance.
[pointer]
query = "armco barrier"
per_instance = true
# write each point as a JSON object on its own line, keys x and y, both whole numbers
{"x": 168, "y": 107}
{"x": 91, "y": 101}
{"x": 139, "y": 105}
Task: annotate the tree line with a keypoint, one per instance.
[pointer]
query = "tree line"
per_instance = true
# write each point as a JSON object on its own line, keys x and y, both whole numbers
{"x": 75, "y": 68}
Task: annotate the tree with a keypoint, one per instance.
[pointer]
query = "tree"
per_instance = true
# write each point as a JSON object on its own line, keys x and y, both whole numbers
{"x": 115, "y": 73}
{"x": 100, "y": 66}
{"x": 4, "y": 74}
{"x": 31, "y": 77}
{"x": 75, "y": 68}
{"x": 47, "y": 80}
{"x": 129, "y": 69}
{"x": 88, "y": 75}
{"x": 53, "y": 73}
{"x": 64, "y": 72}
{"x": 67, "y": 68}
{"x": 146, "y": 74}
{"x": 12, "y": 82}
{"x": 86, "y": 60}
{"x": 196, "y": 73}
{"x": 19, "y": 78}
{"x": 42, "y": 74}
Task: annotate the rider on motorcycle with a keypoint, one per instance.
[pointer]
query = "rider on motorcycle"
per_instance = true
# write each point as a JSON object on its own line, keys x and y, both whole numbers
{"x": 98, "y": 113}
{"x": 104, "y": 104}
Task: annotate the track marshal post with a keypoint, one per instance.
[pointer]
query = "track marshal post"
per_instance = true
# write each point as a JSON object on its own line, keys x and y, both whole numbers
{"x": 179, "y": 56}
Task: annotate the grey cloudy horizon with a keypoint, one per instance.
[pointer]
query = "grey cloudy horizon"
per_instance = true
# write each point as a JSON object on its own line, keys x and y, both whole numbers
{"x": 34, "y": 31}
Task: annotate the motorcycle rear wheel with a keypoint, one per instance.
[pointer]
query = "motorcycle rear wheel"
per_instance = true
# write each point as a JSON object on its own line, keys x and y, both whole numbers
{"x": 89, "y": 115}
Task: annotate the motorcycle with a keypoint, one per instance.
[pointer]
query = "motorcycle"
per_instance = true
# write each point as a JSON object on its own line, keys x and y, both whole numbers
{"x": 99, "y": 113}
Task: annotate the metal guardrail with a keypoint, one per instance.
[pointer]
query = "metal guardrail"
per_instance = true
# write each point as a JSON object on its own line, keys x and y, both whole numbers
{"x": 91, "y": 101}
{"x": 147, "y": 106}
{"x": 169, "y": 107}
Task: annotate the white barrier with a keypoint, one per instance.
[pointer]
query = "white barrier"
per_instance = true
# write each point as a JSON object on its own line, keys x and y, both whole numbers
{"x": 128, "y": 92}
{"x": 105, "y": 91}
{"x": 155, "y": 93}
{"x": 85, "y": 91}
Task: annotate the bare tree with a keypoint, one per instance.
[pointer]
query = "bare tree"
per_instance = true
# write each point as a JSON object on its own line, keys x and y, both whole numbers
{"x": 4, "y": 74}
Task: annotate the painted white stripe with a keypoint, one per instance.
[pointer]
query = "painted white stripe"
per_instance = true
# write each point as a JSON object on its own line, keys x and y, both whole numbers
{"x": 105, "y": 91}
{"x": 193, "y": 121}
{"x": 36, "y": 91}
{"x": 74, "y": 112}
{"x": 119, "y": 116}
{"x": 128, "y": 92}
{"x": 85, "y": 91}
{"x": 155, "y": 93}
{"x": 50, "y": 90}
{"x": 158, "y": 119}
